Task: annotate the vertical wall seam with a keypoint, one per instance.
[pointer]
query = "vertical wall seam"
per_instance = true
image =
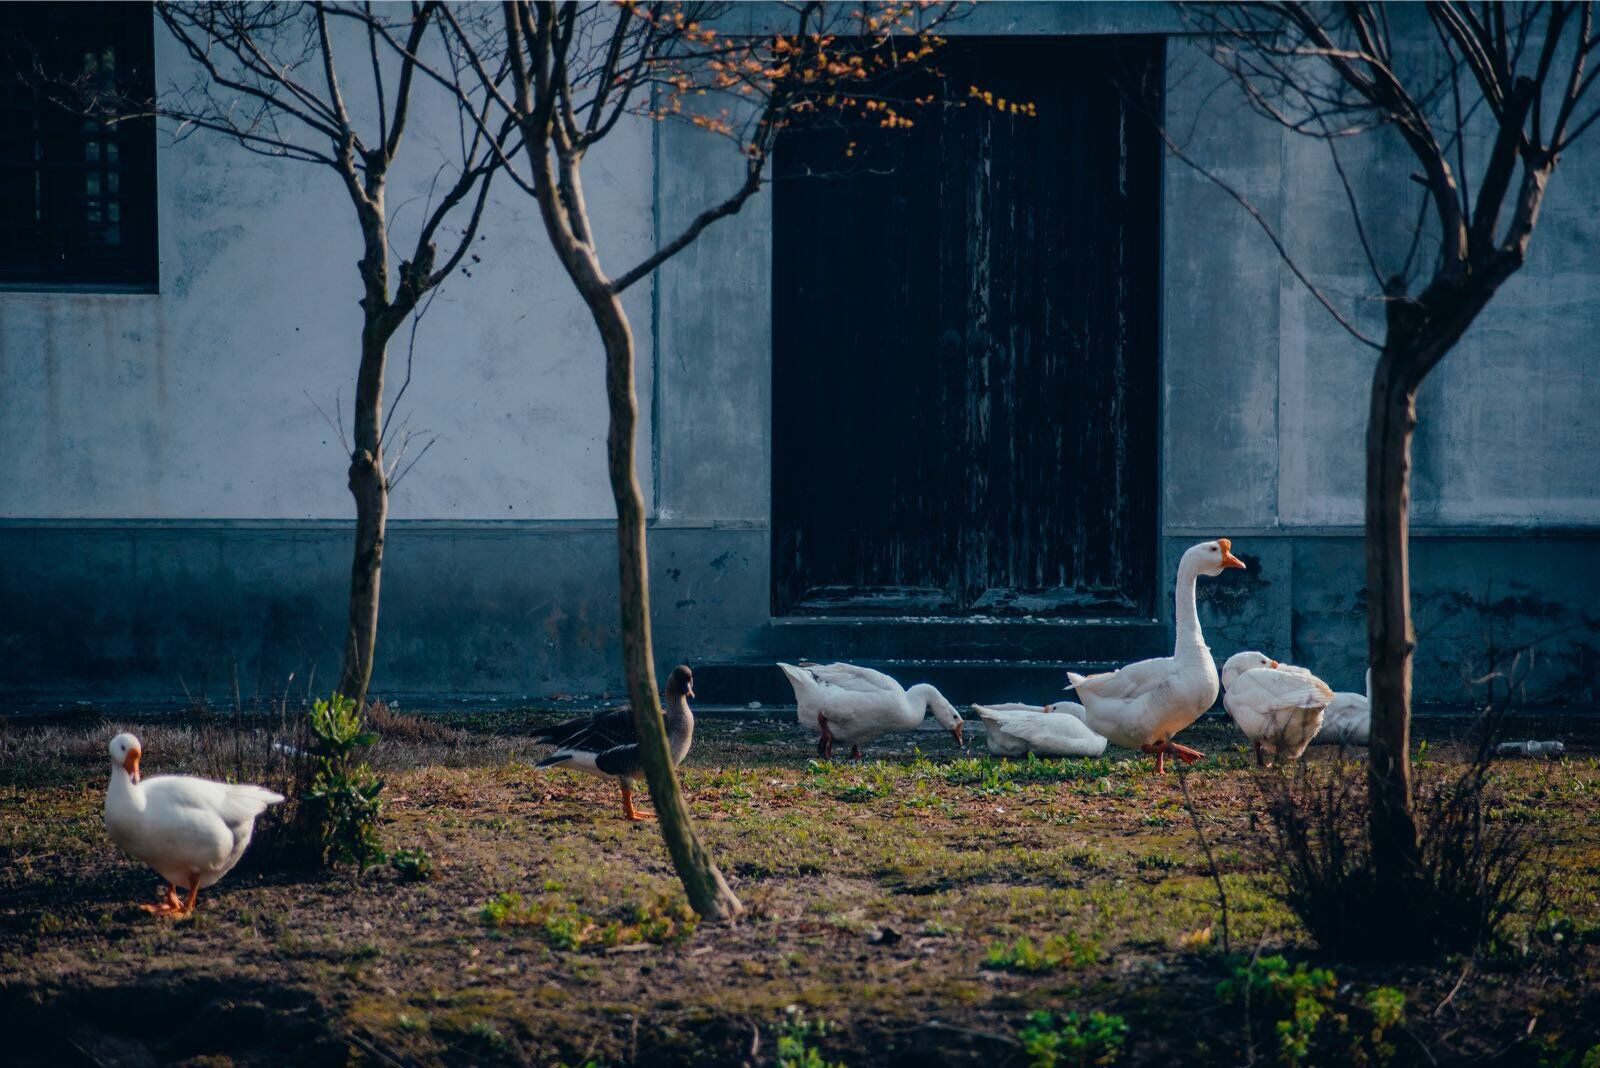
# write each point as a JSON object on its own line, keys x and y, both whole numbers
{"x": 655, "y": 313}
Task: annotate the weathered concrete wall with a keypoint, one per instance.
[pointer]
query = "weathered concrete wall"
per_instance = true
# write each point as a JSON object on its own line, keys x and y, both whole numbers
{"x": 136, "y": 428}
{"x": 201, "y": 400}
{"x": 1266, "y": 400}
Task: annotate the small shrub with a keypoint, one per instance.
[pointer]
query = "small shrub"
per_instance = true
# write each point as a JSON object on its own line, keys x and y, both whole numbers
{"x": 1023, "y": 955}
{"x": 1474, "y": 874}
{"x": 343, "y": 801}
{"x": 794, "y": 1041}
{"x": 412, "y": 865}
{"x": 1072, "y": 1040}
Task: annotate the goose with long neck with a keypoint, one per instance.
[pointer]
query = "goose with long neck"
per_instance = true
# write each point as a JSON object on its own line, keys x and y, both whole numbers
{"x": 847, "y": 703}
{"x": 607, "y": 745}
{"x": 1143, "y": 705}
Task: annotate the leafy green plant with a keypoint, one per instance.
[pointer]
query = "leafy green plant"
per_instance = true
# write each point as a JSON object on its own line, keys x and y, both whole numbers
{"x": 1073, "y": 1040}
{"x": 1294, "y": 1000}
{"x": 795, "y": 1035}
{"x": 412, "y": 865}
{"x": 343, "y": 801}
{"x": 1308, "y": 1023}
{"x": 1387, "y": 1007}
{"x": 1024, "y": 955}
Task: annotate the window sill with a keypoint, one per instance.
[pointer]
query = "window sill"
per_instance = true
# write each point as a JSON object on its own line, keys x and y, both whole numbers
{"x": 114, "y": 289}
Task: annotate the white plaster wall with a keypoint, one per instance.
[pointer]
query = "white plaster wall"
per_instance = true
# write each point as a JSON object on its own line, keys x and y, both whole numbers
{"x": 193, "y": 402}
{"x": 1267, "y": 396}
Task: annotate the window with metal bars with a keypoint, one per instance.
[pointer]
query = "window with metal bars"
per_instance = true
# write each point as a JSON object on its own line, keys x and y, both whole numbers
{"x": 77, "y": 193}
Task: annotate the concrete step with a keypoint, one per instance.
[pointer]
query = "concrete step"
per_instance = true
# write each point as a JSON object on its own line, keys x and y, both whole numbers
{"x": 738, "y": 683}
{"x": 913, "y": 638}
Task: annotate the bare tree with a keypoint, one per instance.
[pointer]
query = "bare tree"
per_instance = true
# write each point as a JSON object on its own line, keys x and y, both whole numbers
{"x": 1484, "y": 98}
{"x": 307, "y": 82}
{"x": 577, "y": 72}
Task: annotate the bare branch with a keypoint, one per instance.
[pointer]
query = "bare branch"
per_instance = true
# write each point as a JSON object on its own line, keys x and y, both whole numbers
{"x": 1277, "y": 243}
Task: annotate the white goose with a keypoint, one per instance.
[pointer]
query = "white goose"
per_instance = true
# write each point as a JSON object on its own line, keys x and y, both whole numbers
{"x": 1278, "y": 706}
{"x": 1348, "y": 718}
{"x": 1143, "y": 705}
{"x": 1015, "y": 730}
{"x": 191, "y": 831}
{"x": 846, "y": 703}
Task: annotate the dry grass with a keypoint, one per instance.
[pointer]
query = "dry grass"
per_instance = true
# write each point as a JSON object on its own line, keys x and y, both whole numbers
{"x": 876, "y": 893}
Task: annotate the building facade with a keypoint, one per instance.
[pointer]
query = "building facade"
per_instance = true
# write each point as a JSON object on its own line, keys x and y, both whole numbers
{"x": 958, "y": 414}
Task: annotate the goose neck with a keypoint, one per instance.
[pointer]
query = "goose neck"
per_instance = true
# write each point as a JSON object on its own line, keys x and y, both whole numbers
{"x": 124, "y": 790}
{"x": 1185, "y": 616}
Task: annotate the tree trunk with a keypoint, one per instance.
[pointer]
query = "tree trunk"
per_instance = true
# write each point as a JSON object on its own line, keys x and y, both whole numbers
{"x": 1390, "y": 639}
{"x": 368, "y": 484}
{"x": 370, "y": 489}
{"x": 708, "y": 893}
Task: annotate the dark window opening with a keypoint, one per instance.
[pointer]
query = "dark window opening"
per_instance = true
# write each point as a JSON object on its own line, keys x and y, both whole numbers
{"x": 77, "y": 194}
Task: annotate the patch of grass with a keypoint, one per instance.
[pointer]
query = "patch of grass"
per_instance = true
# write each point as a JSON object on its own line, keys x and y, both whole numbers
{"x": 566, "y": 926}
{"x": 1072, "y": 1040}
{"x": 1071, "y": 950}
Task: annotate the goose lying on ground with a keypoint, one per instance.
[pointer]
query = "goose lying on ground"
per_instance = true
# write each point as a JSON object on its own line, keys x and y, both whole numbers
{"x": 605, "y": 743}
{"x": 846, "y": 703}
{"x": 1278, "y": 706}
{"x": 1143, "y": 705}
{"x": 1348, "y": 718}
{"x": 191, "y": 831}
{"x": 1015, "y": 730}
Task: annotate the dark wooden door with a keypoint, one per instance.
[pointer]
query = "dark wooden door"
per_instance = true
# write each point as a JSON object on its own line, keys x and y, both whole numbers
{"x": 965, "y": 343}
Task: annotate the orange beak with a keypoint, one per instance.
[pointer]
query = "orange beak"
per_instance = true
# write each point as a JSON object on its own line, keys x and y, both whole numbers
{"x": 1228, "y": 559}
{"x": 130, "y": 764}
{"x": 956, "y": 730}
{"x": 1274, "y": 663}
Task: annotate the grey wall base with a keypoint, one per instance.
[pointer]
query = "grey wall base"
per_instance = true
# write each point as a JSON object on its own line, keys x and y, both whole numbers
{"x": 131, "y": 612}
{"x": 1524, "y": 606}
{"x": 128, "y": 612}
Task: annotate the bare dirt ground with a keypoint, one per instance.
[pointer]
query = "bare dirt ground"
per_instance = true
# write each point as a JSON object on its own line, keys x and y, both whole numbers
{"x": 885, "y": 898}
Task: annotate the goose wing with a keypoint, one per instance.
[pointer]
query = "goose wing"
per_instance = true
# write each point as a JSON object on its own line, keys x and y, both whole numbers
{"x": 593, "y": 734}
{"x": 1133, "y": 680}
{"x": 854, "y": 678}
{"x": 1282, "y": 688}
{"x": 1044, "y": 732}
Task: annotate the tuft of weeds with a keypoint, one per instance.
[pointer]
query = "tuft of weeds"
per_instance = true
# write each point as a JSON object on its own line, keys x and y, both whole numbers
{"x": 1072, "y": 1040}
{"x": 565, "y": 926}
{"x": 343, "y": 801}
{"x": 795, "y": 1035}
{"x": 1071, "y": 950}
{"x": 412, "y": 865}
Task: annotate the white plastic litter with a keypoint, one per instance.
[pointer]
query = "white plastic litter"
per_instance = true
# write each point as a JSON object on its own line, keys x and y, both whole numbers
{"x": 1530, "y": 749}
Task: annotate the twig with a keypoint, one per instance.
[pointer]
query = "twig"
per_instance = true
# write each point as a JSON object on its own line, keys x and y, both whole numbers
{"x": 1448, "y": 997}
{"x": 337, "y": 428}
{"x": 1211, "y": 860}
{"x": 991, "y": 1036}
{"x": 1272, "y": 235}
